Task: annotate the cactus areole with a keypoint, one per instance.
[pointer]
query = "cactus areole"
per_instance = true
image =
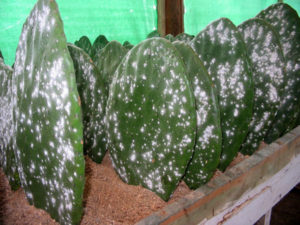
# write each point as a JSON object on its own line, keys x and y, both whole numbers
{"x": 286, "y": 22}
{"x": 209, "y": 137}
{"x": 268, "y": 68}
{"x": 48, "y": 118}
{"x": 224, "y": 54}
{"x": 151, "y": 117}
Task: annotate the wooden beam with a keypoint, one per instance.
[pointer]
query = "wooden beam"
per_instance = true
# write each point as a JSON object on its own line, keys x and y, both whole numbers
{"x": 241, "y": 188}
{"x": 170, "y": 17}
{"x": 161, "y": 17}
{"x": 174, "y": 17}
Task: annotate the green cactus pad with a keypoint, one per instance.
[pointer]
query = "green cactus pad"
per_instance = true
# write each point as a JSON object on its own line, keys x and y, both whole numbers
{"x": 48, "y": 117}
{"x": 153, "y": 34}
{"x": 85, "y": 44}
{"x": 98, "y": 44}
{"x": 207, "y": 149}
{"x": 221, "y": 48}
{"x": 268, "y": 68}
{"x": 109, "y": 59}
{"x": 7, "y": 156}
{"x": 286, "y": 22}
{"x": 93, "y": 95}
{"x": 128, "y": 45}
{"x": 170, "y": 37}
{"x": 151, "y": 117}
{"x": 184, "y": 37}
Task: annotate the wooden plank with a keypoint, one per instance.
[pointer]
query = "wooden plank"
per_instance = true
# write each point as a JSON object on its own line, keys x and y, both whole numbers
{"x": 258, "y": 202}
{"x": 225, "y": 190}
{"x": 170, "y": 17}
{"x": 174, "y": 16}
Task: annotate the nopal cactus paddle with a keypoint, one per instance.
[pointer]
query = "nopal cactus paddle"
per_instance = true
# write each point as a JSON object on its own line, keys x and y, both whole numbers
{"x": 184, "y": 37}
{"x": 153, "y": 34}
{"x": 286, "y": 22}
{"x": 109, "y": 59}
{"x": 7, "y": 156}
{"x": 48, "y": 117}
{"x": 93, "y": 96}
{"x": 268, "y": 69}
{"x": 170, "y": 37}
{"x": 85, "y": 44}
{"x": 151, "y": 117}
{"x": 221, "y": 48}
{"x": 207, "y": 148}
{"x": 128, "y": 45}
{"x": 98, "y": 44}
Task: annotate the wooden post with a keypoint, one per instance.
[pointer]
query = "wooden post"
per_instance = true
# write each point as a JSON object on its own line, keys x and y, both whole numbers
{"x": 161, "y": 17}
{"x": 170, "y": 17}
{"x": 266, "y": 219}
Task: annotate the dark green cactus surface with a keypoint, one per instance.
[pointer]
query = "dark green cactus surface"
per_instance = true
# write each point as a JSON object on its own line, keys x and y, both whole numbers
{"x": 208, "y": 144}
{"x": 93, "y": 95}
{"x": 221, "y": 48}
{"x": 98, "y": 44}
{"x": 153, "y": 34}
{"x": 85, "y": 44}
{"x": 184, "y": 37}
{"x": 170, "y": 37}
{"x": 151, "y": 117}
{"x": 286, "y": 22}
{"x": 268, "y": 69}
{"x": 7, "y": 156}
{"x": 128, "y": 45}
{"x": 109, "y": 59}
{"x": 1, "y": 56}
{"x": 49, "y": 148}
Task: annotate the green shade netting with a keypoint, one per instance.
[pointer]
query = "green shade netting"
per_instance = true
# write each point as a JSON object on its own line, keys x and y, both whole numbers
{"x": 119, "y": 20}
{"x": 199, "y": 13}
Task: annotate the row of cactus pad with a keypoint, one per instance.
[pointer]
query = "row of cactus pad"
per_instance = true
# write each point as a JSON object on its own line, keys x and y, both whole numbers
{"x": 165, "y": 111}
{"x": 247, "y": 68}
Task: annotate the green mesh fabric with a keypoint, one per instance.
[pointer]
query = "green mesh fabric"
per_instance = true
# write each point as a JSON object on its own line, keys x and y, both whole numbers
{"x": 199, "y": 13}
{"x": 119, "y": 20}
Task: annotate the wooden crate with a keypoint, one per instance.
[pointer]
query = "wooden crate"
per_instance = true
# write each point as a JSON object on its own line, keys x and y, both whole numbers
{"x": 244, "y": 193}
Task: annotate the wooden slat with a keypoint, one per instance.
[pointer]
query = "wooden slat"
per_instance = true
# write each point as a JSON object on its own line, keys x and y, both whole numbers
{"x": 225, "y": 190}
{"x": 174, "y": 16}
{"x": 170, "y": 17}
